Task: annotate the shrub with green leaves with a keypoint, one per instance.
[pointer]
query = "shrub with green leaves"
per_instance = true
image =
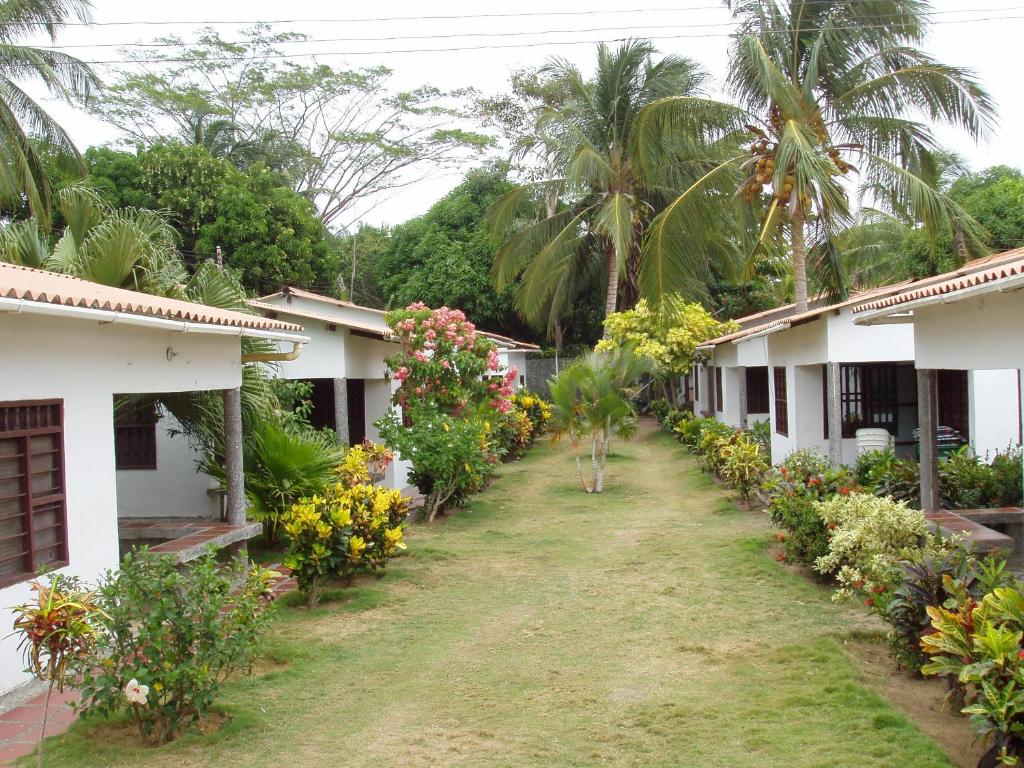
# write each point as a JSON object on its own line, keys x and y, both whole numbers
{"x": 883, "y": 473}
{"x": 805, "y": 477}
{"x": 673, "y": 419}
{"x": 690, "y": 430}
{"x": 980, "y": 644}
{"x": 743, "y": 463}
{"x": 869, "y": 539}
{"x": 177, "y": 633}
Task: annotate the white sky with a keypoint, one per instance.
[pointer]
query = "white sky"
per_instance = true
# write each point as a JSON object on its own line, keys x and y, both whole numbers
{"x": 984, "y": 35}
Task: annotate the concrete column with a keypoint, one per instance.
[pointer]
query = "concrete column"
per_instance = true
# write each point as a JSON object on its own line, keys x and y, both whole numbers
{"x": 741, "y": 395}
{"x": 833, "y": 401}
{"x": 341, "y": 410}
{"x": 927, "y": 421}
{"x": 233, "y": 456}
{"x": 709, "y": 391}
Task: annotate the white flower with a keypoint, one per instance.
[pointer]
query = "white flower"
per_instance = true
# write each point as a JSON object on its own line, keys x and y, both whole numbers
{"x": 135, "y": 692}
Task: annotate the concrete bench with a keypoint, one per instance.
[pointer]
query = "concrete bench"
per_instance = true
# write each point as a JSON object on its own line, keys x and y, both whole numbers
{"x": 981, "y": 538}
{"x": 186, "y": 539}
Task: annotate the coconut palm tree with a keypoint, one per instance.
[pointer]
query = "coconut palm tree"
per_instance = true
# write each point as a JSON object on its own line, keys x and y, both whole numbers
{"x": 22, "y": 119}
{"x": 839, "y": 99}
{"x": 609, "y": 191}
{"x": 593, "y": 398}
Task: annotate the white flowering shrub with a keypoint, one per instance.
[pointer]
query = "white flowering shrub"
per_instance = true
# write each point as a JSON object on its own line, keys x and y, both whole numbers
{"x": 869, "y": 537}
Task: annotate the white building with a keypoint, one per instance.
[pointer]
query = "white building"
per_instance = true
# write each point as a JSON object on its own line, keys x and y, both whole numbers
{"x": 822, "y": 377}
{"x": 69, "y": 347}
{"x": 345, "y": 360}
{"x": 971, "y": 319}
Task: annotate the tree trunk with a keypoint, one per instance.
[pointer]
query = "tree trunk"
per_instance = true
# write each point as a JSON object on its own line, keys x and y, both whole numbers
{"x": 612, "y": 296}
{"x": 796, "y": 226}
{"x": 559, "y": 334}
{"x": 579, "y": 465}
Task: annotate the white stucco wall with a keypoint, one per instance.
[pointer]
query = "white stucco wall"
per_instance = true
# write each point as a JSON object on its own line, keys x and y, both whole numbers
{"x": 322, "y": 358}
{"x": 84, "y": 364}
{"x": 994, "y": 411}
{"x": 364, "y": 358}
{"x": 981, "y": 333}
{"x": 513, "y": 359}
{"x": 174, "y": 489}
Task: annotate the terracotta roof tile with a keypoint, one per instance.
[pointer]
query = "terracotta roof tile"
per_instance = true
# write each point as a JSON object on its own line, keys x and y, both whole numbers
{"x": 978, "y": 272}
{"x": 810, "y": 315}
{"x": 289, "y": 291}
{"x": 43, "y": 287}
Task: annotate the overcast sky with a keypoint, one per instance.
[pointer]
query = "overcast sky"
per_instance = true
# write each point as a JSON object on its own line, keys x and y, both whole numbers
{"x": 984, "y": 35}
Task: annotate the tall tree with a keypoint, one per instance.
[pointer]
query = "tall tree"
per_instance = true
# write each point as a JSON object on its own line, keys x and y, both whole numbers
{"x": 344, "y": 138}
{"x": 834, "y": 88}
{"x": 444, "y": 257}
{"x": 22, "y": 172}
{"x": 268, "y": 232}
{"x": 609, "y": 190}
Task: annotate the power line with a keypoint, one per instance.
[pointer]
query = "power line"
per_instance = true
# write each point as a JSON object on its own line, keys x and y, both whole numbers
{"x": 442, "y": 17}
{"x": 457, "y": 35}
{"x": 492, "y": 46}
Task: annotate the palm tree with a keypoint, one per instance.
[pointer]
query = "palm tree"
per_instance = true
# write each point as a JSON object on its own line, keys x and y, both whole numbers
{"x": 22, "y": 174}
{"x": 557, "y": 232}
{"x": 593, "y": 398}
{"x": 833, "y": 89}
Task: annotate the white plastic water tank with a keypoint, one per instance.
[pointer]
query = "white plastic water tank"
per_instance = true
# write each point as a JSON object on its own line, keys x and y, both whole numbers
{"x": 871, "y": 439}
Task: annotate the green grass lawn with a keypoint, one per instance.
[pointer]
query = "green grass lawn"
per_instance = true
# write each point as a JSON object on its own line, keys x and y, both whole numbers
{"x": 543, "y": 627}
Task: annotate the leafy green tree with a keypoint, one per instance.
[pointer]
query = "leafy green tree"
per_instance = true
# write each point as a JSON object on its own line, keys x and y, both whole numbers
{"x": 668, "y": 334}
{"x": 341, "y": 137}
{"x": 609, "y": 187}
{"x": 995, "y": 198}
{"x": 832, "y": 89}
{"x": 444, "y": 257}
{"x": 267, "y": 232}
{"x": 360, "y": 253}
{"x": 22, "y": 172}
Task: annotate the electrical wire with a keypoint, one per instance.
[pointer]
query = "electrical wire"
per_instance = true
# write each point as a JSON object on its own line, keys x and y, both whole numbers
{"x": 457, "y": 35}
{"x": 450, "y": 49}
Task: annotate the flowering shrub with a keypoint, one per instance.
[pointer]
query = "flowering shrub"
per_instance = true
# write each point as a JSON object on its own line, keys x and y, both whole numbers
{"x": 450, "y": 399}
{"x": 349, "y": 527}
{"x": 168, "y": 638}
{"x": 869, "y": 540}
{"x": 804, "y": 478}
{"x": 536, "y": 408}
{"x": 445, "y": 363}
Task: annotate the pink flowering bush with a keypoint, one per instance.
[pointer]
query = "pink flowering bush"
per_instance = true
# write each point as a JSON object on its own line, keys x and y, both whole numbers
{"x": 450, "y": 395}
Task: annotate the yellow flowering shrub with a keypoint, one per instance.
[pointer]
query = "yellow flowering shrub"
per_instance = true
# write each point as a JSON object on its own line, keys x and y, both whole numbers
{"x": 345, "y": 529}
{"x": 670, "y": 336}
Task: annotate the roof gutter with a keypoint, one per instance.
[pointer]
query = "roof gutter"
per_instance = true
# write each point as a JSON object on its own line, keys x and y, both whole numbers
{"x": 108, "y": 317}
{"x": 876, "y": 316}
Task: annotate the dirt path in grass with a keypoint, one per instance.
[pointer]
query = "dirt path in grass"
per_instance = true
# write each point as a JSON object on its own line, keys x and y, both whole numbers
{"x": 543, "y": 627}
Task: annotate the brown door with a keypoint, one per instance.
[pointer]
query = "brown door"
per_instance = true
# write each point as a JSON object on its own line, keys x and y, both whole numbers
{"x": 356, "y": 411}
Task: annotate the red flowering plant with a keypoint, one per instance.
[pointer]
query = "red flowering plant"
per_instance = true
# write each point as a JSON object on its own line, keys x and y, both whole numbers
{"x": 792, "y": 488}
{"x": 450, "y": 396}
